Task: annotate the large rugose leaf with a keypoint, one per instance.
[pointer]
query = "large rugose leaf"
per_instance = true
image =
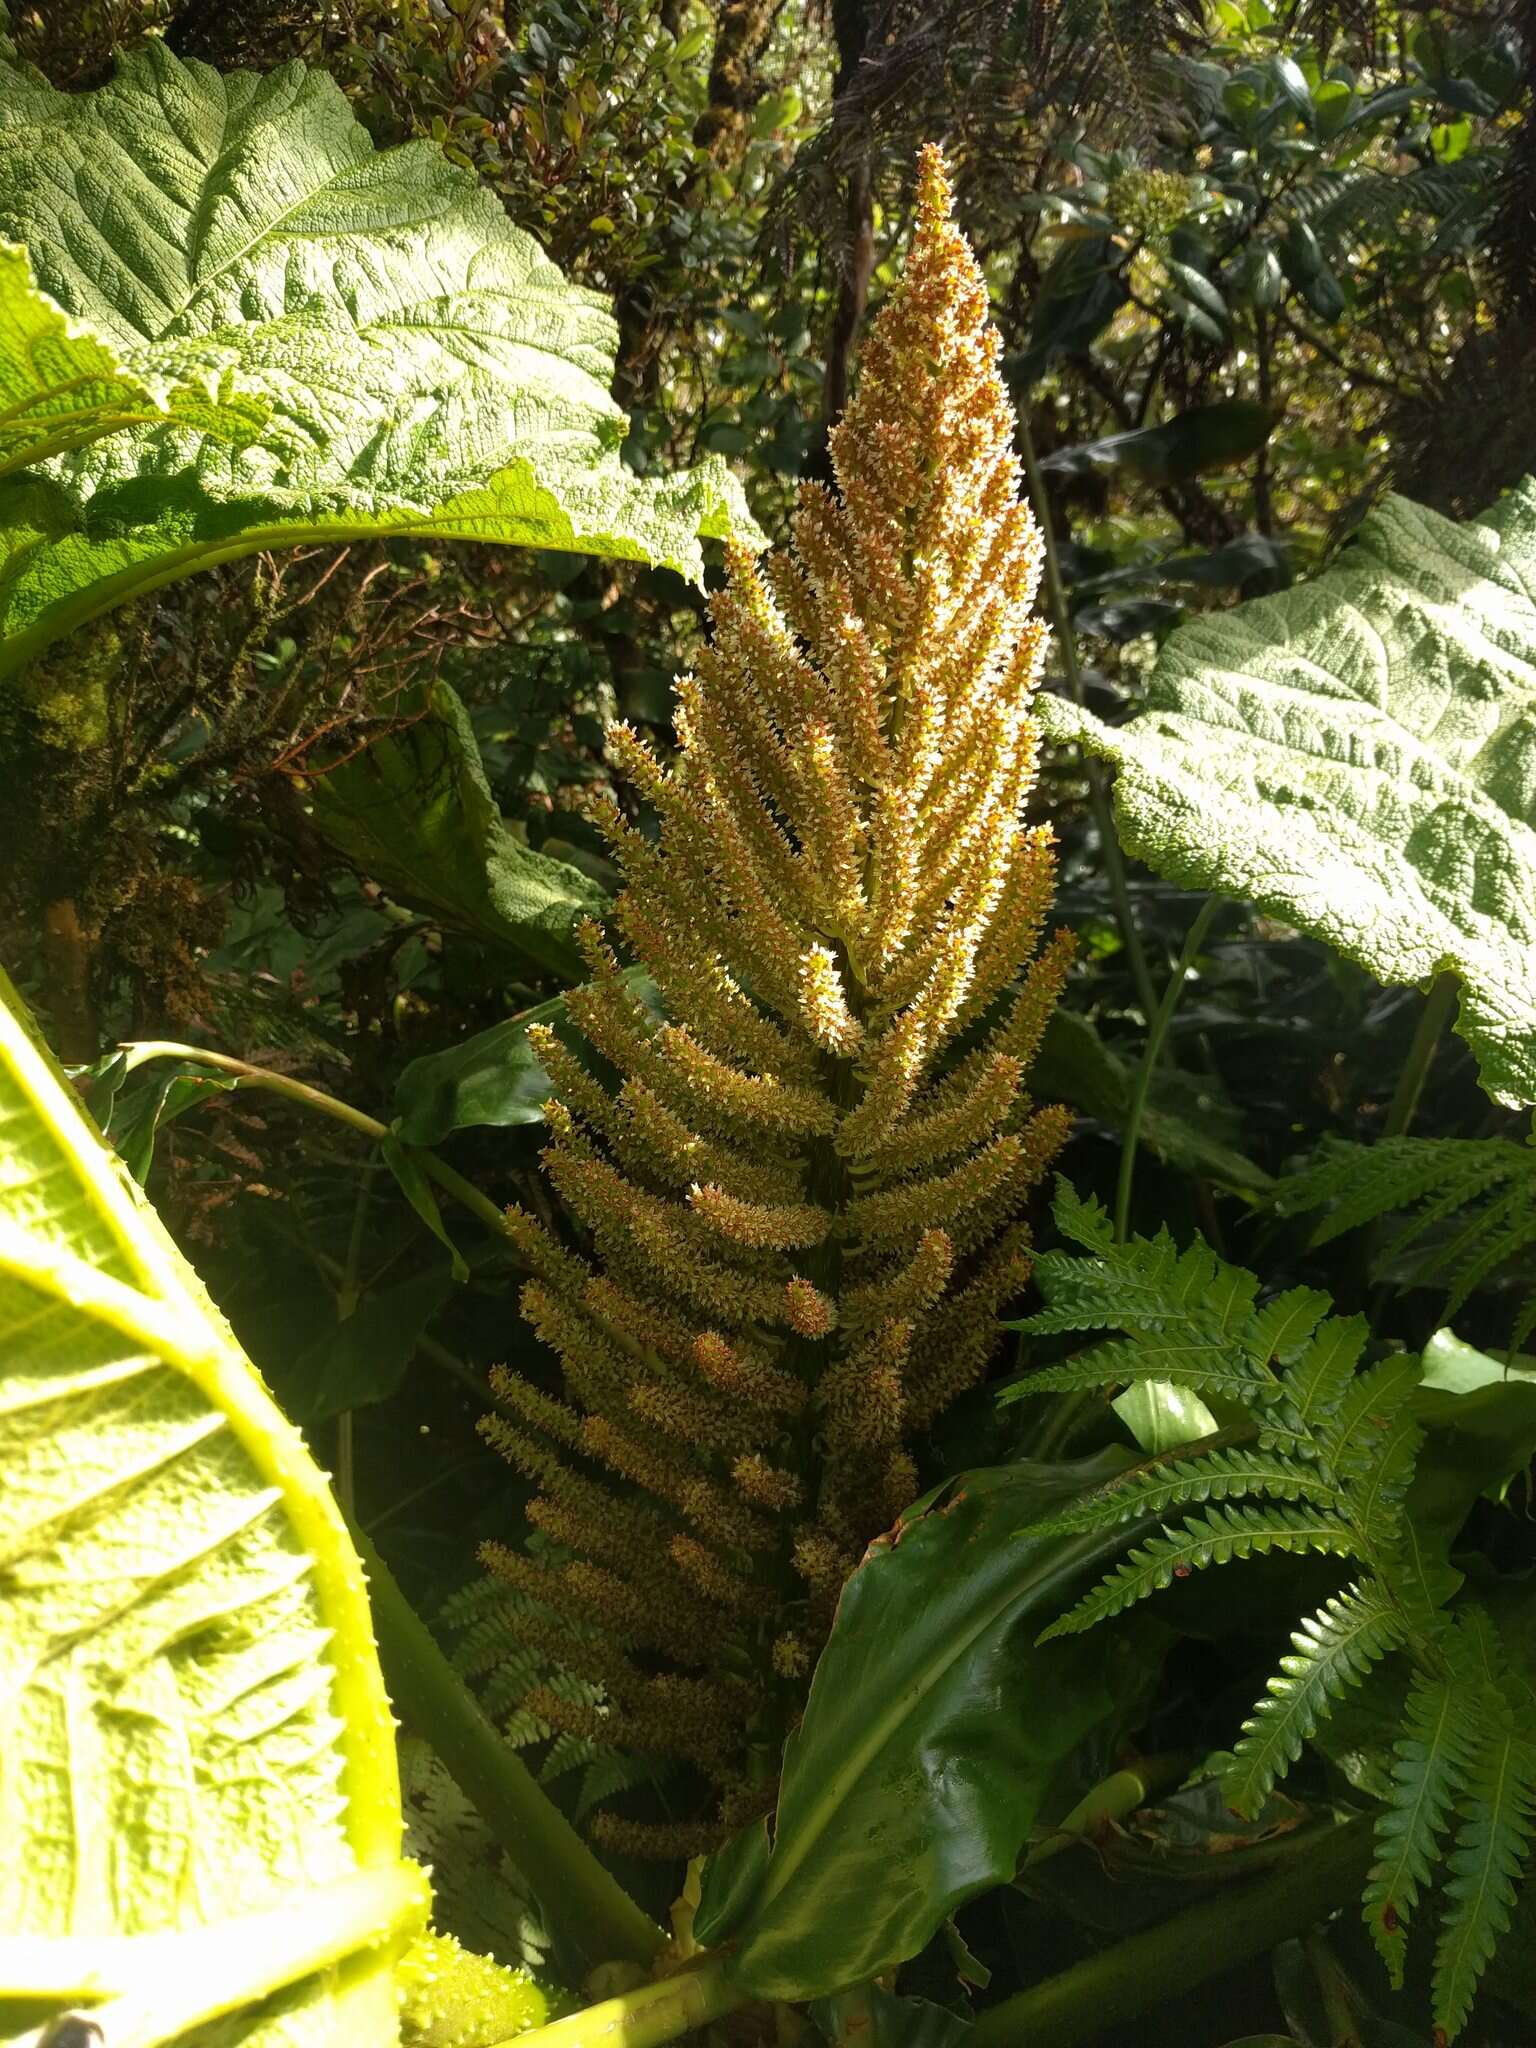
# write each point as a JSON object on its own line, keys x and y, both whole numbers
{"x": 397, "y": 356}
{"x": 63, "y": 386}
{"x": 1358, "y": 757}
{"x": 193, "y": 1728}
{"x": 934, "y": 1729}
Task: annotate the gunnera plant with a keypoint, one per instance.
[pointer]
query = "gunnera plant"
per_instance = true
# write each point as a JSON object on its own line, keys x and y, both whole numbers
{"x": 801, "y": 1208}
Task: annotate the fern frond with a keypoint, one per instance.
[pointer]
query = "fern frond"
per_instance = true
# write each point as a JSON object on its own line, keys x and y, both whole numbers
{"x": 1376, "y": 1498}
{"x": 1164, "y": 1489}
{"x": 1214, "y": 1538}
{"x": 1081, "y": 1220}
{"x": 1146, "y": 1284}
{"x": 1497, "y": 1817}
{"x": 1364, "y": 1182}
{"x": 1325, "y": 1465}
{"x": 1429, "y": 1179}
{"x": 1351, "y": 1439}
{"x": 1334, "y": 1649}
{"x": 1430, "y": 1763}
{"x": 1279, "y": 1333}
{"x": 1495, "y": 1235}
{"x": 1189, "y": 1361}
{"x": 1316, "y": 1383}
{"x": 1373, "y": 201}
{"x": 1434, "y": 1210}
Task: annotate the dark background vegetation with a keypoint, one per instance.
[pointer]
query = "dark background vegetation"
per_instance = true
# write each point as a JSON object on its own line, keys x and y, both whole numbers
{"x": 1187, "y": 219}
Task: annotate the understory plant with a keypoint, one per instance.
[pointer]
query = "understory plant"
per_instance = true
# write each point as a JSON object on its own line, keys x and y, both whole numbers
{"x": 778, "y": 1576}
{"x": 799, "y": 1196}
{"x": 1319, "y": 1456}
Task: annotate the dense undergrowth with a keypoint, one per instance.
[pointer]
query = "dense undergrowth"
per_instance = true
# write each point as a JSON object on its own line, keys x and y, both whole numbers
{"x": 635, "y": 713}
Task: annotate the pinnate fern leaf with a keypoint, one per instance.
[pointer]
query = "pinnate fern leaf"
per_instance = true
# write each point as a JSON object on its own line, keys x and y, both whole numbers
{"x": 1504, "y": 1229}
{"x": 1187, "y": 1359}
{"x": 1280, "y": 1332}
{"x": 1379, "y": 1488}
{"x": 1352, "y": 1439}
{"x": 1354, "y": 1184}
{"x": 1497, "y": 1815}
{"x": 1429, "y": 1768}
{"x": 1149, "y": 1285}
{"x": 1335, "y": 1455}
{"x": 1427, "y": 1180}
{"x": 1333, "y": 1651}
{"x": 1317, "y": 1381}
{"x": 1166, "y": 1487}
{"x": 1218, "y": 1537}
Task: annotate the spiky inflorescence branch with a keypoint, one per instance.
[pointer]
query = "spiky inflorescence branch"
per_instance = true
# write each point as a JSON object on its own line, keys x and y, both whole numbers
{"x": 804, "y": 1200}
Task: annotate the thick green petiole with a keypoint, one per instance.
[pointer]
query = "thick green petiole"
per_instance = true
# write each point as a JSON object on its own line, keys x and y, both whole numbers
{"x": 157, "y": 1987}
{"x": 593, "y": 1913}
{"x": 646, "y": 2018}
{"x": 454, "y": 1184}
{"x": 1083, "y": 2003}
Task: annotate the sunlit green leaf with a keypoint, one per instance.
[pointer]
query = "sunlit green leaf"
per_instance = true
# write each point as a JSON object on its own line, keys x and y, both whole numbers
{"x": 1358, "y": 756}
{"x": 347, "y": 343}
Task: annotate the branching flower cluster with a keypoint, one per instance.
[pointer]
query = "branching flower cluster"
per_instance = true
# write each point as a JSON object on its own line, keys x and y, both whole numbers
{"x": 801, "y": 1195}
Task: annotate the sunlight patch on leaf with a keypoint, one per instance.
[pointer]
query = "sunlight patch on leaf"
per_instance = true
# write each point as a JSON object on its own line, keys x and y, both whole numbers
{"x": 1358, "y": 757}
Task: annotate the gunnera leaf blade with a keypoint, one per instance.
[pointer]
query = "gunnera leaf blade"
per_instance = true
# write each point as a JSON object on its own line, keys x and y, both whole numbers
{"x": 1358, "y": 756}
{"x": 63, "y": 386}
{"x": 194, "y": 1727}
{"x": 415, "y": 362}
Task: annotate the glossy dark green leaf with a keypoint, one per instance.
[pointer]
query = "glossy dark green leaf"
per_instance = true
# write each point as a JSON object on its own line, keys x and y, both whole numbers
{"x": 417, "y": 1189}
{"x": 1332, "y": 103}
{"x": 1253, "y": 564}
{"x": 492, "y": 1080}
{"x": 1080, "y": 293}
{"x": 1301, "y": 256}
{"x": 364, "y": 1359}
{"x": 934, "y": 1729}
{"x": 1292, "y": 81}
{"x": 1475, "y": 1443}
{"x": 1325, "y": 295}
{"x": 415, "y": 814}
{"x": 1200, "y": 291}
{"x": 1130, "y": 620}
{"x": 1205, "y": 438}
{"x": 132, "y": 1113}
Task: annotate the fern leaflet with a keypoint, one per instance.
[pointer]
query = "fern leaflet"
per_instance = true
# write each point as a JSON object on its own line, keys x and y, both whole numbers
{"x": 1214, "y": 1538}
{"x": 1163, "y": 1488}
{"x": 1498, "y": 1812}
{"x": 1430, "y": 1179}
{"x": 1188, "y": 1362}
{"x": 1352, "y": 1440}
{"x": 1281, "y": 1330}
{"x": 1428, "y": 1771}
{"x": 1316, "y": 1383}
{"x": 1334, "y": 1649}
